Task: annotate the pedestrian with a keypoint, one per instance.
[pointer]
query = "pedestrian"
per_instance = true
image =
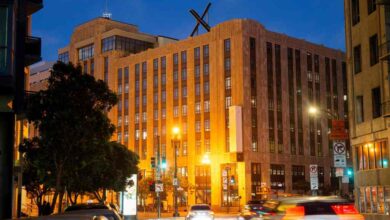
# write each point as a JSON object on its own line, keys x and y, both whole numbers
{"x": 47, "y": 209}
{"x": 41, "y": 208}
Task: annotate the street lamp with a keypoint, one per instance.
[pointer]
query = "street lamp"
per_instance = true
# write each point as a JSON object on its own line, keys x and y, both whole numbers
{"x": 175, "y": 142}
{"x": 313, "y": 110}
{"x": 206, "y": 161}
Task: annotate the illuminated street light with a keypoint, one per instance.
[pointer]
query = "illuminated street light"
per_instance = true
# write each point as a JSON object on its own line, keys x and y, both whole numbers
{"x": 313, "y": 110}
{"x": 206, "y": 161}
{"x": 175, "y": 142}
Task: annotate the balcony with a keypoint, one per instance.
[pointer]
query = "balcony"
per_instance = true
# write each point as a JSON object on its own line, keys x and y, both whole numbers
{"x": 32, "y": 50}
{"x": 384, "y": 51}
{"x": 33, "y": 6}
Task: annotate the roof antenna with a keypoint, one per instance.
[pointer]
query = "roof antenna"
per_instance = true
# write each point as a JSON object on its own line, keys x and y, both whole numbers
{"x": 200, "y": 20}
{"x": 106, "y": 13}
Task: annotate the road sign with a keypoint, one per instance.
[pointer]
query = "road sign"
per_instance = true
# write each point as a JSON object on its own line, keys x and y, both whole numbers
{"x": 159, "y": 187}
{"x": 338, "y": 131}
{"x": 345, "y": 179}
{"x": 339, "y": 154}
{"x": 314, "y": 183}
{"x": 339, "y": 171}
{"x": 313, "y": 170}
{"x": 175, "y": 182}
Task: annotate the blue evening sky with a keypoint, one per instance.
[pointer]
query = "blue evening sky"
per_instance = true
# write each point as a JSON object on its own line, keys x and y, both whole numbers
{"x": 318, "y": 21}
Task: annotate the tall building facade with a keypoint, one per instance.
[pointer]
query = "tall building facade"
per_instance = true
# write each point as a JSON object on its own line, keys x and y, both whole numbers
{"x": 368, "y": 53}
{"x": 239, "y": 95}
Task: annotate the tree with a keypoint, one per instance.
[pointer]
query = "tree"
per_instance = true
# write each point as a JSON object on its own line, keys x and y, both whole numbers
{"x": 72, "y": 122}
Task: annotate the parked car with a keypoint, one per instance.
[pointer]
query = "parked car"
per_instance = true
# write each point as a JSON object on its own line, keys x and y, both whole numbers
{"x": 89, "y": 216}
{"x": 200, "y": 212}
{"x": 96, "y": 209}
{"x": 310, "y": 208}
{"x": 258, "y": 209}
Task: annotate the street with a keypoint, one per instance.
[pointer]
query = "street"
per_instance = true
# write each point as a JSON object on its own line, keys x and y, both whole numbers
{"x": 153, "y": 216}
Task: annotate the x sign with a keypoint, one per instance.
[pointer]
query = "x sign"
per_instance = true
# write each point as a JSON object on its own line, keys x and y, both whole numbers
{"x": 200, "y": 20}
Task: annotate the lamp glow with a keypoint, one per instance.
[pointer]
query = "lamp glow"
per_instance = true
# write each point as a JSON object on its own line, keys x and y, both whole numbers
{"x": 206, "y": 159}
{"x": 313, "y": 110}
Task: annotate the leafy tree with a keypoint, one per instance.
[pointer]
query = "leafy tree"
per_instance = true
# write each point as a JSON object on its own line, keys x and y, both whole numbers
{"x": 72, "y": 122}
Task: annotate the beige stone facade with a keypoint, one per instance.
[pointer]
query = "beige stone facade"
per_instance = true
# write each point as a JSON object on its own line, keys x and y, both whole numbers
{"x": 264, "y": 79}
{"x": 368, "y": 94}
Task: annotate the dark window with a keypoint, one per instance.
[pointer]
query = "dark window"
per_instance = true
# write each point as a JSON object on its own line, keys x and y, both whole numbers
{"x": 371, "y": 6}
{"x": 374, "y": 53}
{"x": 4, "y": 16}
{"x": 128, "y": 45}
{"x": 376, "y": 102}
{"x": 355, "y": 11}
{"x": 256, "y": 177}
{"x": 359, "y": 109}
{"x": 227, "y": 45}
{"x": 63, "y": 57}
{"x": 106, "y": 69}
{"x": 277, "y": 176}
{"x": 357, "y": 59}
{"x": 298, "y": 177}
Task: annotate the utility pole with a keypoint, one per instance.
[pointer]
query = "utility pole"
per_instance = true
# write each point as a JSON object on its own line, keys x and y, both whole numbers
{"x": 176, "y": 213}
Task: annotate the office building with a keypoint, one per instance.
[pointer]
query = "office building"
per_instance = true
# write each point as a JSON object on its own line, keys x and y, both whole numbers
{"x": 239, "y": 95}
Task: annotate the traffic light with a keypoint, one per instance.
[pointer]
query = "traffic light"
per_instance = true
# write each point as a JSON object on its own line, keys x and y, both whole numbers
{"x": 163, "y": 163}
{"x": 232, "y": 180}
{"x": 349, "y": 171}
{"x": 152, "y": 187}
{"x": 153, "y": 162}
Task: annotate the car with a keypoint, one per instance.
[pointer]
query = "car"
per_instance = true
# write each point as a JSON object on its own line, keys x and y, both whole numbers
{"x": 258, "y": 209}
{"x": 97, "y": 209}
{"x": 312, "y": 208}
{"x": 62, "y": 216}
{"x": 201, "y": 212}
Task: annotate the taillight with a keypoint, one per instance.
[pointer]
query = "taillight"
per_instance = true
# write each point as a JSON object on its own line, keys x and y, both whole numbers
{"x": 295, "y": 211}
{"x": 344, "y": 209}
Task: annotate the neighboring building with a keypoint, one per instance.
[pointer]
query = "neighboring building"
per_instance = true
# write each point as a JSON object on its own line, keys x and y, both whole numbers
{"x": 39, "y": 74}
{"x": 17, "y": 51}
{"x": 368, "y": 56}
{"x": 239, "y": 94}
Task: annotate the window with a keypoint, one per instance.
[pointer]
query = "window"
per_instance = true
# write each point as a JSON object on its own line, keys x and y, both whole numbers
{"x": 183, "y": 56}
{"x": 206, "y": 69}
{"x": 206, "y": 50}
{"x": 198, "y": 149}
{"x": 184, "y": 74}
{"x": 126, "y": 137}
{"x": 227, "y": 45}
{"x": 206, "y": 106}
{"x": 374, "y": 52}
{"x": 128, "y": 45}
{"x": 357, "y": 59}
{"x": 197, "y": 53}
{"x": 163, "y": 79}
{"x": 163, "y": 96}
{"x": 155, "y": 81}
{"x": 371, "y": 6}
{"x": 197, "y": 71}
{"x": 175, "y": 93}
{"x": 119, "y": 121}
{"x": 197, "y": 108}
{"x": 355, "y": 11}
{"x": 184, "y": 110}
{"x": 92, "y": 66}
{"x": 206, "y": 87}
{"x": 163, "y": 113}
{"x": 175, "y": 59}
{"x": 106, "y": 69}
{"x": 184, "y": 127}
{"x": 184, "y": 92}
{"x": 144, "y": 117}
{"x": 63, "y": 57}
{"x": 175, "y": 111}
{"x": 374, "y": 199}
{"x": 126, "y": 87}
{"x": 155, "y": 114}
{"x": 86, "y": 52}
{"x": 126, "y": 120}
{"x": 137, "y": 134}
{"x": 197, "y": 89}
{"x": 376, "y": 102}
{"x": 136, "y": 118}
{"x": 184, "y": 152}
{"x": 227, "y": 64}
{"x": 206, "y": 125}
{"x": 119, "y": 137}
{"x": 277, "y": 175}
{"x": 119, "y": 89}
{"x": 175, "y": 76}
{"x": 359, "y": 109}
{"x": 197, "y": 126}
{"x": 298, "y": 177}
{"x": 228, "y": 102}
{"x": 228, "y": 84}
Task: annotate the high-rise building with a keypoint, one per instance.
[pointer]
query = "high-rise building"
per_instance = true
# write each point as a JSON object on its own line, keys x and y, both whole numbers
{"x": 368, "y": 55}
{"x": 239, "y": 95}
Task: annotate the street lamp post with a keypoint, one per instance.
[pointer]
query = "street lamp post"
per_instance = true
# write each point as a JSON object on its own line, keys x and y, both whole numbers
{"x": 175, "y": 140}
{"x": 206, "y": 161}
{"x": 314, "y": 111}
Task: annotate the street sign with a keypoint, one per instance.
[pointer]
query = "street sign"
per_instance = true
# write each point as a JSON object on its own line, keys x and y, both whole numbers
{"x": 339, "y": 171}
{"x": 313, "y": 176}
{"x": 345, "y": 179}
{"x": 175, "y": 182}
{"x": 313, "y": 170}
{"x": 314, "y": 183}
{"x": 159, "y": 187}
{"x": 338, "y": 131}
{"x": 339, "y": 154}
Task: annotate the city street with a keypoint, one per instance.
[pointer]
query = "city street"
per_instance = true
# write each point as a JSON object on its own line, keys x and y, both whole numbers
{"x": 153, "y": 216}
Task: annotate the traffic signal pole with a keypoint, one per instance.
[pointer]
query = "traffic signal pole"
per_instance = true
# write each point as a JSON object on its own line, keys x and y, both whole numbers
{"x": 158, "y": 171}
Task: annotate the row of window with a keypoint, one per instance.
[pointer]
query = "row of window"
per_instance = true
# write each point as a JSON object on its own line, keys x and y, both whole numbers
{"x": 373, "y": 155}
{"x": 355, "y": 9}
{"x": 374, "y": 199}
{"x": 125, "y": 44}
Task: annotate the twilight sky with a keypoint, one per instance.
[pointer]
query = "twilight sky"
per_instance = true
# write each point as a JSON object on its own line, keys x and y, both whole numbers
{"x": 318, "y": 21}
